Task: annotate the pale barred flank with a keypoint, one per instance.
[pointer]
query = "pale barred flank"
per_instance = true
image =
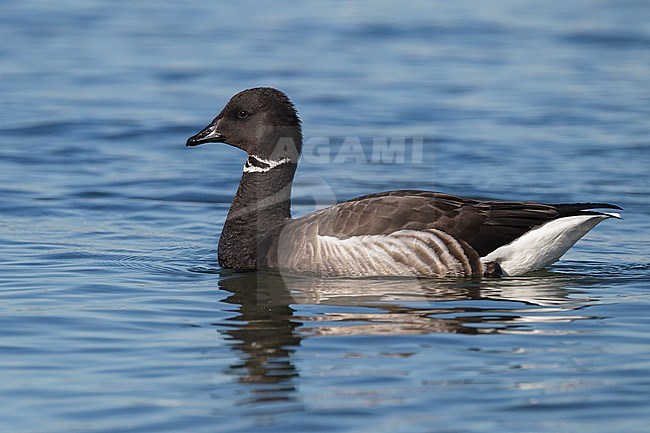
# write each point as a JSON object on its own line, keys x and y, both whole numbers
{"x": 428, "y": 253}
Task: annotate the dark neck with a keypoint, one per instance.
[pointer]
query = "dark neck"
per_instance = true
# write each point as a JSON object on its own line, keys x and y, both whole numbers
{"x": 261, "y": 207}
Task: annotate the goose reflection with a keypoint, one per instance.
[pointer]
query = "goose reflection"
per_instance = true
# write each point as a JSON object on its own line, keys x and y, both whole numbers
{"x": 263, "y": 334}
{"x": 276, "y": 312}
{"x": 423, "y": 306}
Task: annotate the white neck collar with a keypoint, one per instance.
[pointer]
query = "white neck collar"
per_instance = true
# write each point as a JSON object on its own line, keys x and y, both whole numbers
{"x": 262, "y": 165}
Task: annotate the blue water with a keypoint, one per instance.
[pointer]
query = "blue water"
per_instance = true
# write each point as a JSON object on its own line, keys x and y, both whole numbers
{"x": 114, "y": 313}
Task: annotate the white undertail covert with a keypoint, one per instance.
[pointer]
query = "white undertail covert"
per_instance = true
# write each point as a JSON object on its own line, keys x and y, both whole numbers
{"x": 544, "y": 245}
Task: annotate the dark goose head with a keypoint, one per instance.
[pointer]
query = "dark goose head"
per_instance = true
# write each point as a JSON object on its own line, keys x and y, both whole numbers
{"x": 261, "y": 121}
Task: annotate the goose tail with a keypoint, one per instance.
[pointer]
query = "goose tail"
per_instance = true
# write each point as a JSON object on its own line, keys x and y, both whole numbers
{"x": 545, "y": 244}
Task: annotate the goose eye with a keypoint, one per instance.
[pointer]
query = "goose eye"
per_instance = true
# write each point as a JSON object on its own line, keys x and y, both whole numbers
{"x": 242, "y": 114}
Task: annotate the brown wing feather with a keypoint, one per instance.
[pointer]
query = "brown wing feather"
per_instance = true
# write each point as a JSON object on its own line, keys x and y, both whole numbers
{"x": 484, "y": 225}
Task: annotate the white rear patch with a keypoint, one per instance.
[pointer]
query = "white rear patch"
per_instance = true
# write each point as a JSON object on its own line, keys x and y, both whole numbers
{"x": 544, "y": 245}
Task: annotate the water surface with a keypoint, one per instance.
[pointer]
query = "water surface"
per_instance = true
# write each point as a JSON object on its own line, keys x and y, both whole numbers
{"x": 116, "y": 317}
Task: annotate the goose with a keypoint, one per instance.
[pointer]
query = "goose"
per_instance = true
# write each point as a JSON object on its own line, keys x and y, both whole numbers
{"x": 408, "y": 233}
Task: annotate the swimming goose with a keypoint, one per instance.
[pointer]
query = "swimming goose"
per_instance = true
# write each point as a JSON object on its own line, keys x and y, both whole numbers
{"x": 394, "y": 233}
